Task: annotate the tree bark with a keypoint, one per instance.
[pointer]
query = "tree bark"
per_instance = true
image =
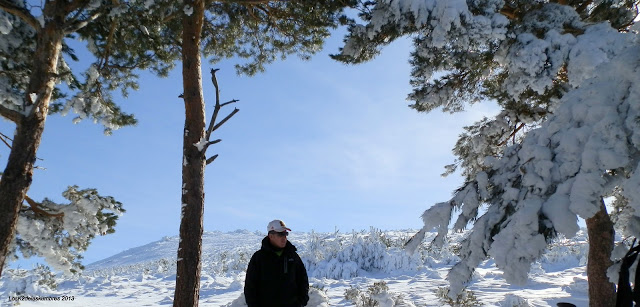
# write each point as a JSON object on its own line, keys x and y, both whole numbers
{"x": 602, "y": 292}
{"x": 18, "y": 173}
{"x": 187, "y": 290}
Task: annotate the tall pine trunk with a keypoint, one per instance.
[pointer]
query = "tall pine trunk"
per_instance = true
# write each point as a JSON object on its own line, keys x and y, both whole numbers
{"x": 187, "y": 290}
{"x": 18, "y": 174}
{"x": 602, "y": 293}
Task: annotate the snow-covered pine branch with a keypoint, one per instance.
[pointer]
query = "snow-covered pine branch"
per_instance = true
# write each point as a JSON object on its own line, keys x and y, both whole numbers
{"x": 91, "y": 96}
{"x": 479, "y": 53}
{"x": 16, "y": 48}
{"x": 61, "y": 236}
{"x": 93, "y": 100}
{"x": 560, "y": 171}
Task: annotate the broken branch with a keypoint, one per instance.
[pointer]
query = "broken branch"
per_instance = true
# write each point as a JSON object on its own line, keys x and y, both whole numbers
{"x": 216, "y": 109}
{"x": 204, "y": 149}
{"x": 212, "y": 124}
{"x": 211, "y": 159}
{"x": 236, "y": 110}
{"x": 229, "y": 102}
{"x": 213, "y": 142}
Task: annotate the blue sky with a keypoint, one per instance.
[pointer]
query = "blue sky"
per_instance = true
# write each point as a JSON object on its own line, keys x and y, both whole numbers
{"x": 318, "y": 144}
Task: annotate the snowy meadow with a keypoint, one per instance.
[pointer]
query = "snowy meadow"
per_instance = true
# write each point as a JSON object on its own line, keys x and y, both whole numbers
{"x": 366, "y": 268}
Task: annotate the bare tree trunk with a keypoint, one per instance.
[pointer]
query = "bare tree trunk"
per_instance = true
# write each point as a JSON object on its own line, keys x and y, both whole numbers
{"x": 18, "y": 173}
{"x": 602, "y": 293}
{"x": 187, "y": 290}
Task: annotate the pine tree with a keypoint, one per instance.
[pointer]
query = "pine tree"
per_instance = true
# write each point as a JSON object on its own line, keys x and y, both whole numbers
{"x": 33, "y": 68}
{"x": 125, "y": 36}
{"x": 262, "y": 32}
{"x": 253, "y": 32}
{"x": 528, "y": 57}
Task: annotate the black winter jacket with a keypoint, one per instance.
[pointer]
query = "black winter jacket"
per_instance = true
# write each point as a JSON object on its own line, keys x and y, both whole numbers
{"x": 276, "y": 281}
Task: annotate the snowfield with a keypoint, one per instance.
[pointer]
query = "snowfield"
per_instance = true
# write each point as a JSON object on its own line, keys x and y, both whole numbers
{"x": 343, "y": 268}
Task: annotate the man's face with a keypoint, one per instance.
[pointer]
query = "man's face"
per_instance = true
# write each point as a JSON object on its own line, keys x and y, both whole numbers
{"x": 278, "y": 239}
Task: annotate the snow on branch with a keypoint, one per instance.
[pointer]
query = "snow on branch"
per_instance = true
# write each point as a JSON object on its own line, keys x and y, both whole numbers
{"x": 86, "y": 9}
{"x": 21, "y": 12}
{"x": 566, "y": 79}
{"x": 93, "y": 100}
{"x": 442, "y": 20}
{"x": 538, "y": 189}
{"x": 61, "y": 232}
{"x": 9, "y": 114}
{"x": 36, "y": 208}
{"x": 480, "y": 54}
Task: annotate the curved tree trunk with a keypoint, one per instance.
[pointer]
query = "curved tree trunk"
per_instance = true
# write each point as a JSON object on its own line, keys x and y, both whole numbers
{"x": 18, "y": 174}
{"x": 602, "y": 292}
{"x": 187, "y": 290}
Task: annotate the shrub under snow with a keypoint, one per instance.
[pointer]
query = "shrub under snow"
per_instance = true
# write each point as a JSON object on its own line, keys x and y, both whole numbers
{"x": 327, "y": 256}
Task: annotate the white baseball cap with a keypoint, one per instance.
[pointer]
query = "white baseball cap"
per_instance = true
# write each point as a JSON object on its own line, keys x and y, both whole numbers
{"x": 277, "y": 226}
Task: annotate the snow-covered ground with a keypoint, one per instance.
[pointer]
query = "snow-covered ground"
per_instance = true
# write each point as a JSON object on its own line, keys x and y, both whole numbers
{"x": 340, "y": 265}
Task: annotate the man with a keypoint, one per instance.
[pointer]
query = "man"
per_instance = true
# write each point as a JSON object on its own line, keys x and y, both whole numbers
{"x": 276, "y": 276}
